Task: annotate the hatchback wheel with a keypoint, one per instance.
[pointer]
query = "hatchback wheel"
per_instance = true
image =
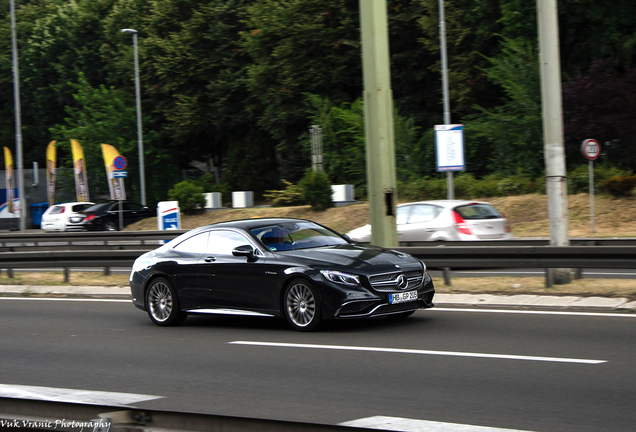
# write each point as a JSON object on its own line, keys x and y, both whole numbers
{"x": 302, "y": 305}
{"x": 163, "y": 304}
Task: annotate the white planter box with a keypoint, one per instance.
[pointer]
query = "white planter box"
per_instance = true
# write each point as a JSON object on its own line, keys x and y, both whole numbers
{"x": 242, "y": 199}
{"x": 212, "y": 200}
{"x": 342, "y": 193}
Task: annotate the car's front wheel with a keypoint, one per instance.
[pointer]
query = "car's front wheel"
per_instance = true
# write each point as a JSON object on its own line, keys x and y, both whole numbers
{"x": 162, "y": 304}
{"x": 302, "y": 306}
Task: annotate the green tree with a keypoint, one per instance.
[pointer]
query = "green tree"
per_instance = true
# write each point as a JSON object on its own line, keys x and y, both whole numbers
{"x": 106, "y": 115}
{"x": 512, "y": 131}
{"x": 299, "y": 46}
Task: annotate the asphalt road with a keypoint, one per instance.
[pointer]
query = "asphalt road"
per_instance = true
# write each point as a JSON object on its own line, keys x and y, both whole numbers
{"x": 498, "y": 369}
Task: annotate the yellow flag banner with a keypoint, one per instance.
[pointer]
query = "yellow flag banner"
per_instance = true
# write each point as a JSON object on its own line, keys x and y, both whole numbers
{"x": 8, "y": 166}
{"x": 79, "y": 166}
{"x": 115, "y": 185}
{"x": 51, "y": 169}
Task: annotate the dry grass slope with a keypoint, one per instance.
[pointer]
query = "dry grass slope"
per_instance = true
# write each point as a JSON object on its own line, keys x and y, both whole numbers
{"x": 527, "y": 214}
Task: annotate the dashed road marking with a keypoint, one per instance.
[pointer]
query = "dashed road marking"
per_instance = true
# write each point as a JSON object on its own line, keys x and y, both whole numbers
{"x": 425, "y": 352}
{"x": 411, "y": 425}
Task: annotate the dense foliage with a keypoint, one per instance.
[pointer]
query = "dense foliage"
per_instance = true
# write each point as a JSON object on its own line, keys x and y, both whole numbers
{"x": 236, "y": 84}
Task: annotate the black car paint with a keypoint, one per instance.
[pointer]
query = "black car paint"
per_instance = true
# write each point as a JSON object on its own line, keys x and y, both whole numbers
{"x": 109, "y": 212}
{"x": 261, "y": 279}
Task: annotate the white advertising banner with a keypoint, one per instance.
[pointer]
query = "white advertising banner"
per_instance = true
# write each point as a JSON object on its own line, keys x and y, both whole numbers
{"x": 449, "y": 145}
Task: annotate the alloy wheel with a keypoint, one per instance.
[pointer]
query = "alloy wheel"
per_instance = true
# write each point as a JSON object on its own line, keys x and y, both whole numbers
{"x": 301, "y": 305}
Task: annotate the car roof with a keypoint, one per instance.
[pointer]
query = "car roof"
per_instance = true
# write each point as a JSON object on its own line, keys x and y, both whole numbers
{"x": 249, "y": 224}
{"x": 446, "y": 203}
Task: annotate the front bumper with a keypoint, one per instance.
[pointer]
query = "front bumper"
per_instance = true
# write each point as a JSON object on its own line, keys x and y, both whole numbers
{"x": 382, "y": 307}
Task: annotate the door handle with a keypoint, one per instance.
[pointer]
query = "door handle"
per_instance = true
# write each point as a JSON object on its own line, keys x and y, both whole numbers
{"x": 209, "y": 259}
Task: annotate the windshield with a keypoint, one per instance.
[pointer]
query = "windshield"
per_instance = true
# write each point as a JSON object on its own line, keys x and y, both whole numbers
{"x": 296, "y": 235}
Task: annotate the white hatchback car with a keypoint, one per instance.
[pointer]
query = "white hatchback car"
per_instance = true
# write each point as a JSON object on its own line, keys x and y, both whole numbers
{"x": 56, "y": 217}
{"x": 444, "y": 220}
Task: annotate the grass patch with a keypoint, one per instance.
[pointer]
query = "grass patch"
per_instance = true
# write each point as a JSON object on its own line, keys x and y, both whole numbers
{"x": 508, "y": 285}
{"x": 56, "y": 278}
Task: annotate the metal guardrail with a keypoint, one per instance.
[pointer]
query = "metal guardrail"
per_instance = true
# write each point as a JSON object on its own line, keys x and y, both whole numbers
{"x": 120, "y": 249}
{"x": 39, "y": 415}
{"x": 123, "y": 239}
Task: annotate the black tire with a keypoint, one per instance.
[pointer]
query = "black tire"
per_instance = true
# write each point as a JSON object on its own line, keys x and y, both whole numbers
{"x": 301, "y": 306}
{"x": 162, "y": 304}
{"x": 110, "y": 226}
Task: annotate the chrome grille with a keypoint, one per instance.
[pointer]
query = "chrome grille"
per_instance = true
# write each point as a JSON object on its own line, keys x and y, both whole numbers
{"x": 388, "y": 282}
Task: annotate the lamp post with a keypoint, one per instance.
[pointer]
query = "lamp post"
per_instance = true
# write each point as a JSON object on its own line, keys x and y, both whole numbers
{"x": 18, "y": 122}
{"x": 140, "y": 140}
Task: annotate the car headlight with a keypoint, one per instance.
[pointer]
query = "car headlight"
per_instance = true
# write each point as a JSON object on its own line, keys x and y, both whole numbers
{"x": 340, "y": 277}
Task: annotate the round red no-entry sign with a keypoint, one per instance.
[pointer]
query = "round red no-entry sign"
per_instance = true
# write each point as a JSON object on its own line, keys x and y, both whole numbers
{"x": 120, "y": 162}
{"x": 591, "y": 149}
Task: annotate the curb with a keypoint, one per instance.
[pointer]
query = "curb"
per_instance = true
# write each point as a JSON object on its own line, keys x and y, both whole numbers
{"x": 539, "y": 301}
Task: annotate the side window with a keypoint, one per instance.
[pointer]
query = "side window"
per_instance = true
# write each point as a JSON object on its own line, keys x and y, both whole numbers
{"x": 132, "y": 206}
{"x": 423, "y": 213}
{"x": 197, "y": 243}
{"x": 222, "y": 242}
{"x": 402, "y": 215}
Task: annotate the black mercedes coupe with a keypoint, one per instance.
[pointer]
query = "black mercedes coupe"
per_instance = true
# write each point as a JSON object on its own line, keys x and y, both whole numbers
{"x": 291, "y": 268}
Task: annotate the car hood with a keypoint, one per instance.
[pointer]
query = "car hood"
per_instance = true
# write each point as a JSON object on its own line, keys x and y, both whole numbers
{"x": 362, "y": 258}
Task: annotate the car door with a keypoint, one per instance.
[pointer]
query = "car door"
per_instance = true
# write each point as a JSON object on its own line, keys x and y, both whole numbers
{"x": 133, "y": 212}
{"x": 233, "y": 282}
{"x": 420, "y": 224}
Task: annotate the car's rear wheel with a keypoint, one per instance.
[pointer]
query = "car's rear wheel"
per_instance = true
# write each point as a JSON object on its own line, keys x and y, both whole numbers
{"x": 110, "y": 226}
{"x": 162, "y": 304}
{"x": 302, "y": 306}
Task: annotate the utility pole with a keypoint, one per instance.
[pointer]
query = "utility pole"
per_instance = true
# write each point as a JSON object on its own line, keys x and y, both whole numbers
{"x": 556, "y": 180}
{"x": 378, "y": 110}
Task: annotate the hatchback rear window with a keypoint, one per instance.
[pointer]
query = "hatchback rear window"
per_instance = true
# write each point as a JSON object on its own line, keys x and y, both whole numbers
{"x": 81, "y": 207}
{"x": 478, "y": 211}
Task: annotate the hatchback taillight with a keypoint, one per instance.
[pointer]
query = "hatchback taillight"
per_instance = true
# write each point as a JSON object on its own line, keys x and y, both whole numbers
{"x": 460, "y": 224}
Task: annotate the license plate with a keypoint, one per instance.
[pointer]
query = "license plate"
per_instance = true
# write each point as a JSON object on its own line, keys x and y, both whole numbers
{"x": 403, "y": 297}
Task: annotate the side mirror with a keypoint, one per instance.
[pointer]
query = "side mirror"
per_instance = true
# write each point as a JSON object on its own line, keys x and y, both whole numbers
{"x": 243, "y": 250}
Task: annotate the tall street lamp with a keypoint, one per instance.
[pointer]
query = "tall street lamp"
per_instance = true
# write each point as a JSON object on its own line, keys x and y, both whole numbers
{"x": 140, "y": 140}
{"x": 18, "y": 122}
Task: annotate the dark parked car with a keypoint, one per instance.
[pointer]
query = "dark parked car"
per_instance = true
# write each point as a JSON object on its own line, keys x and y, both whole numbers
{"x": 291, "y": 268}
{"x": 105, "y": 216}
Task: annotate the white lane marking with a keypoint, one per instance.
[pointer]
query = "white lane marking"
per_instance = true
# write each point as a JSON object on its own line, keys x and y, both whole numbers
{"x": 501, "y": 272}
{"x": 72, "y": 396}
{"x": 542, "y": 273}
{"x": 426, "y": 352}
{"x": 532, "y": 312}
{"x": 66, "y": 299}
{"x": 412, "y": 425}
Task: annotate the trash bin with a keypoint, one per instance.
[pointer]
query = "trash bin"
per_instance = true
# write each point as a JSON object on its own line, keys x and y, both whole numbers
{"x": 37, "y": 210}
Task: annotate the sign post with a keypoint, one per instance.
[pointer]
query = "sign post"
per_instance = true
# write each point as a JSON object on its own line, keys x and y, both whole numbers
{"x": 449, "y": 145}
{"x": 591, "y": 149}
{"x": 120, "y": 163}
{"x": 168, "y": 216}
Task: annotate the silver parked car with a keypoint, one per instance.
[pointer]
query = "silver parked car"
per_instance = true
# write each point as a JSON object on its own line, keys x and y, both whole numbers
{"x": 444, "y": 220}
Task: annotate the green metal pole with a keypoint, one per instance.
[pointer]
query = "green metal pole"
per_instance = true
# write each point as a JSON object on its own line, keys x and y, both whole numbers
{"x": 378, "y": 108}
